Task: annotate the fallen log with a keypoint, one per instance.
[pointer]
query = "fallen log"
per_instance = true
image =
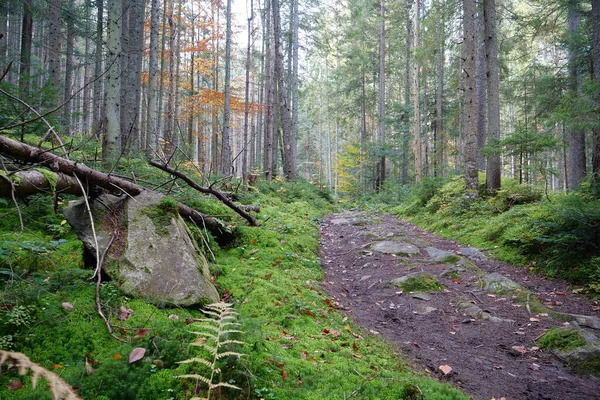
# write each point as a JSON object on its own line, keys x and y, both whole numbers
{"x": 29, "y": 182}
{"x": 207, "y": 190}
{"x": 67, "y": 170}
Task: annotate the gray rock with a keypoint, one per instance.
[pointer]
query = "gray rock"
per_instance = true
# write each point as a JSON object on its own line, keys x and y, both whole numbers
{"x": 388, "y": 247}
{"x": 406, "y": 277}
{"x": 472, "y": 252}
{"x": 364, "y": 278}
{"x": 586, "y": 320}
{"x": 340, "y": 221}
{"x": 474, "y": 311}
{"x": 496, "y": 282}
{"x": 422, "y": 296}
{"x": 582, "y": 357}
{"x": 157, "y": 260}
{"x": 425, "y": 310}
{"x": 441, "y": 255}
{"x": 454, "y": 269}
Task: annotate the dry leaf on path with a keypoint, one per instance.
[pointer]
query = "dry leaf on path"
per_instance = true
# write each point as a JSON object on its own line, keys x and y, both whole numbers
{"x": 446, "y": 369}
{"x": 136, "y": 354}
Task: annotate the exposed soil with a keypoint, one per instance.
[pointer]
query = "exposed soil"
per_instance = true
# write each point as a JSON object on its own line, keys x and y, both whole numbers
{"x": 433, "y": 332}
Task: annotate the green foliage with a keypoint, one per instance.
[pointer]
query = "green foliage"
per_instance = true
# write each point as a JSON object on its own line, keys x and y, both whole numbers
{"x": 561, "y": 338}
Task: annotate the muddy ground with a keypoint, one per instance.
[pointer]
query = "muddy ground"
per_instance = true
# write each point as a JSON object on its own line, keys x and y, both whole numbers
{"x": 492, "y": 357}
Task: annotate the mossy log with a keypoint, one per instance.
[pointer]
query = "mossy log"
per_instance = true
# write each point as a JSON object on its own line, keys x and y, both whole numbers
{"x": 25, "y": 183}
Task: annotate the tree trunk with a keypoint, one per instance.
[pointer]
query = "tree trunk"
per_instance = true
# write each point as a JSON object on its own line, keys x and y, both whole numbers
{"x": 295, "y": 22}
{"x": 440, "y": 140}
{"x": 416, "y": 109}
{"x": 576, "y": 136}
{"x": 269, "y": 88}
{"x": 596, "y": 67}
{"x": 25, "y": 64}
{"x": 381, "y": 100}
{"x": 247, "y": 100}
{"x": 69, "y": 66}
{"x": 470, "y": 102}
{"x": 481, "y": 82}
{"x": 226, "y": 159}
{"x": 152, "y": 121}
{"x": 407, "y": 84}
{"x": 111, "y": 144}
{"x": 98, "y": 92}
{"x": 289, "y": 163}
{"x": 493, "y": 171}
{"x": 54, "y": 41}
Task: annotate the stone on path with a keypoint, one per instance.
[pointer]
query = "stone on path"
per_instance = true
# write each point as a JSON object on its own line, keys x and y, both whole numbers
{"x": 494, "y": 282}
{"x": 388, "y": 247}
{"x": 441, "y": 255}
{"x": 421, "y": 296}
{"x": 451, "y": 270}
{"x": 472, "y": 252}
{"x": 474, "y": 311}
{"x": 340, "y": 221}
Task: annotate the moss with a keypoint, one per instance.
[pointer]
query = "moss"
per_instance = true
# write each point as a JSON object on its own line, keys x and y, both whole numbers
{"x": 51, "y": 177}
{"x": 421, "y": 283}
{"x": 562, "y": 338}
{"x": 161, "y": 214}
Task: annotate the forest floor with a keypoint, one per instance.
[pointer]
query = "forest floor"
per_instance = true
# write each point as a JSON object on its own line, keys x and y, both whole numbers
{"x": 493, "y": 353}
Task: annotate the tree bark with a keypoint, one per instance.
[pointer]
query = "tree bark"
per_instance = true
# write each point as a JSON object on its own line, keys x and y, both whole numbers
{"x": 493, "y": 171}
{"x": 577, "y": 168}
{"x": 226, "y": 154}
{"x": 69, "y": 67}
{"x": 152, "y": 121}
{"x": 381, "y": 100}
{"x": 470, "y": 102}
{"x": 416, "y": 110}
{"x": 54, "y": 41}
{"x": 596, "y": 67}
{"x": 246, "y": 101}
{"x": 440, "y": 140}
{"x": 481, "y": 82}
{"x": 98, "y": 92}
{"x": 111, "y": 144}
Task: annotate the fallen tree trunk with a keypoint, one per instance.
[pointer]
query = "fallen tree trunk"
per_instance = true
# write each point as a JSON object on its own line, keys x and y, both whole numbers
{"x": 66, "y": 170}
{"x": 208, "y": 190}
{"x": 26, "y": 183}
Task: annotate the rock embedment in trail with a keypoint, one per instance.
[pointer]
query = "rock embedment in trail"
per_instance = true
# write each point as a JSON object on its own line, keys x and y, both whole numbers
{"x": 398, "y": 248}
{"x": 153, "y": 256}
{"x": 485, "y": 320}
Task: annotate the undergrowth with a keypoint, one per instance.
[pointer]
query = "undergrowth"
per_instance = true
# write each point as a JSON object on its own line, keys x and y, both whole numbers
{"x": 297, "y": 344}
{"x": 555, "y": 234}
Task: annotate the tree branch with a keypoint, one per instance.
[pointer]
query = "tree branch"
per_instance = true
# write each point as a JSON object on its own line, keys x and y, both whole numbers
{"x": 208, "y": 190}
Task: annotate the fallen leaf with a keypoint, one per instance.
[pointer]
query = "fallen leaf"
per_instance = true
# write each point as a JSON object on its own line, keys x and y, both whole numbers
{"x": 140, "y": 334}
{"x": 200, "y": 340}
{"x": 136, "y": 354}
{"x": 373, "y": 332}
{"x": 117, "y": 356}
{"x": 15, "y": 384}
{"x": 520, "y": 349}
{"x": 284, "y": 375}
{"x": 57, "y": 366}
{"x": 534, "y": 367}
{"x": 88, "y": 368}
{"x": 356, "y": 356}
{"x": 498, "y": 367}
{"x": 125, "y": 313}
{"x": 254, "y": 251}
{"x": 277, "y": 304}
{"x": 303, "y": 355}
{"x": 335, "y": 333}
{"x": 173, "y": 316}
{"x": 519, "y": 333}
{"x": 299, "y": 382}
{"x": 354, "y": 346}
{"x": 532, "y": 319}
{"x": 446, "y": 369}
{"x": 159, "y": 363}
{"x": 67, "y": 306}
{"x": 123, "y": 331}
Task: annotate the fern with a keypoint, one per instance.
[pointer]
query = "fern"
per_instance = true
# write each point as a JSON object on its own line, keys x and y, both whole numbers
{"x": 213, "y": 336}
{"x": 60, "y": 389}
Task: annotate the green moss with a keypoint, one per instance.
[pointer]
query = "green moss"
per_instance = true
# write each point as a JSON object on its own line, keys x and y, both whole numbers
{"x": 421, "y": 283}
{"x": 161, "y": 214}
{"x": 562, "y": 338}
{"x": 51, "y": 177}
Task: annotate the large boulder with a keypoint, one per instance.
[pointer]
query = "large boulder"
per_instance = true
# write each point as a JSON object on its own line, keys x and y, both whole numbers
{"x": 153, "y": 256}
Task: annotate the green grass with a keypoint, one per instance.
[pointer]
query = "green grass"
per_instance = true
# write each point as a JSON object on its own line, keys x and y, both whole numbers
{"x": 561, "y": 339}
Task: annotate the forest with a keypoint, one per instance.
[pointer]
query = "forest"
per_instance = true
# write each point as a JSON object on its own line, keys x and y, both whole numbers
{"x": 289, "y": 144}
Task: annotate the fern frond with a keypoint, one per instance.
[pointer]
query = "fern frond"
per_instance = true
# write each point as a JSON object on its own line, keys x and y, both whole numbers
{"x": 212, "y": 328}
{"x": 213, "y": 313}
{"x": 224, "y": 384}
{"x": 196, "y": 360}
{"x": 211, "y": 349}
{"x": 226, "y": 342}
{"x": 196, "y": 377}
{"x": 231, "y": 331}
{"x": 229, "y": 353}
{"x": 205, "y": 334}
{"x": 59, "y": 388}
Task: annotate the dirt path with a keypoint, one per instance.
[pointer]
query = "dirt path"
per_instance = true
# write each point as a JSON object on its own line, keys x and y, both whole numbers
{"x": 492, "y": 352}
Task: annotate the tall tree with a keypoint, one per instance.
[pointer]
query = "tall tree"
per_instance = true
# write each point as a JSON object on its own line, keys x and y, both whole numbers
{"x": 576, "y": 136}
{"x": 470, "y": 94}
{"x": 111, "y": 144}
{"x": 226, "y": 163}
{"x": 98, "y": 92}
{"x": 289, "y": 162}
{"x": 493, "y": 170}
{"x": 247, "y": 100}
{"x": 440, "y": 140}
{"x": 69, "y": 69}
{"x": 416, "y": 104}
{"x": 596, "y": 68}
{"x": 152, "y": 121}
{"x": 381, "y": 99}
{"x": 54, "y": 40}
